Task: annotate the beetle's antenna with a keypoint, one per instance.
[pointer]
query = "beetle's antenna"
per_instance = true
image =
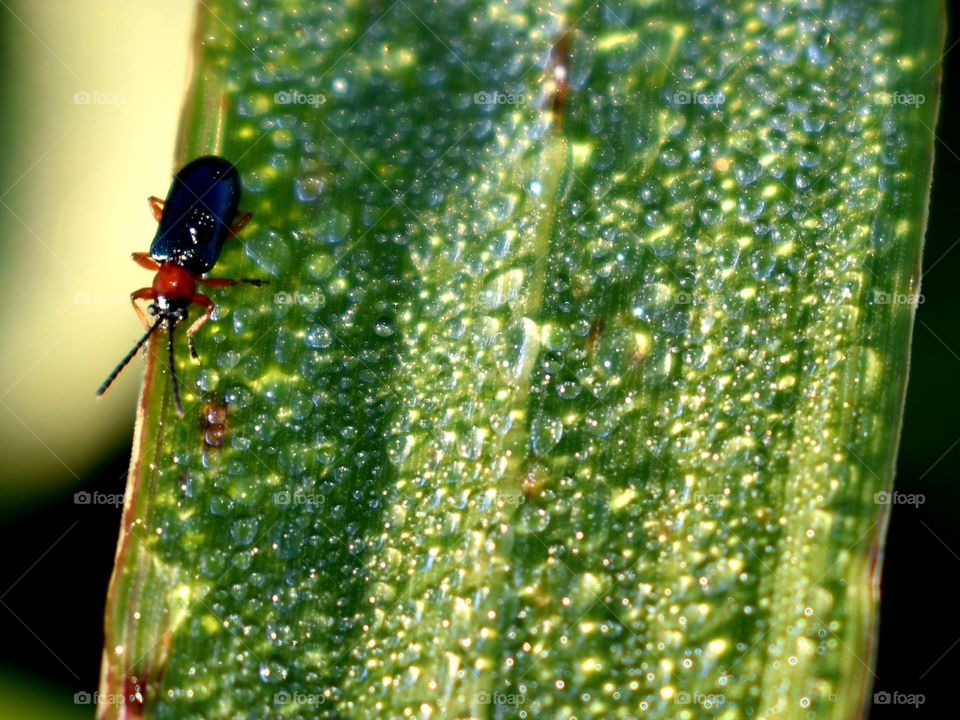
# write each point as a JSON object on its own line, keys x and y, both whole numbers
{"x": 126, "y": 360}
{"x": 173, "y": 371}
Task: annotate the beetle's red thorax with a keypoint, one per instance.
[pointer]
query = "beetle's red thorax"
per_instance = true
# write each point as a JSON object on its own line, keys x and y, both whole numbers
{"x": 175, "y": 283}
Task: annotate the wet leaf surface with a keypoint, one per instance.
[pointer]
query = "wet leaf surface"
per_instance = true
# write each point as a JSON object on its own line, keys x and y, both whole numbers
{"x": 579, "y": 372}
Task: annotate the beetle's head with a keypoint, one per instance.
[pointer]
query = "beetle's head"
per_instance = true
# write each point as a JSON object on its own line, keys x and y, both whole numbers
{"x": 167, "y": 312}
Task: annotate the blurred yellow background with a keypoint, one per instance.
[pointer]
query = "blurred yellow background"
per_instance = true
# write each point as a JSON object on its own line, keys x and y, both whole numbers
{"x": 91, "y": 92}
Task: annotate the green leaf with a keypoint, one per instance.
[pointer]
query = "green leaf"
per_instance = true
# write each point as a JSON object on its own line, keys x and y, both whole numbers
{"x": 578, "y": 377}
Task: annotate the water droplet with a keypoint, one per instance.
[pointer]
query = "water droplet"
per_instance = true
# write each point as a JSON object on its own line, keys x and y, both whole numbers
{"x": 244, "y": 531}
{"x": 384, "y": 327}
{"x": 308, "y": 188}
{"x": 746, "y": 171}
{"x": 319, "y": 338}
{"x": 545, "y": 433}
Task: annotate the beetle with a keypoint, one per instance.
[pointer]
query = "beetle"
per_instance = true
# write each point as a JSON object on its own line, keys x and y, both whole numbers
{"x": 198, "y": 215}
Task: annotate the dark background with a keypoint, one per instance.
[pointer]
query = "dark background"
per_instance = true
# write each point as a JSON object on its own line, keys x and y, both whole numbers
{"x": 919, "y": 645}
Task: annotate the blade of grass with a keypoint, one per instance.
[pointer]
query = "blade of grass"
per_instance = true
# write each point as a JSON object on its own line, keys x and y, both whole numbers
{"x": 577, "y": 405}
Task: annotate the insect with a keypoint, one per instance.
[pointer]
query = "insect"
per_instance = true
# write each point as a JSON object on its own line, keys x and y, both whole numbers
{"x": 199, "y": 214}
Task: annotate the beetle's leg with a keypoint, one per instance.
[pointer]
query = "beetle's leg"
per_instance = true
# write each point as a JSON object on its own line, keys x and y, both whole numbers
{"x": 156, "y": 207}
{"x": 145, "y": 261}
{"x": 142, "y": 294}
{"x": 242, "y": 220}
{"x": 227, "y": 282}
{"x": 207, "y": 304}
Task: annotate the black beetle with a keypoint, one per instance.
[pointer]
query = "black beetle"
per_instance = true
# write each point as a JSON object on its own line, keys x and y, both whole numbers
{"x": 195, "y": 220}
